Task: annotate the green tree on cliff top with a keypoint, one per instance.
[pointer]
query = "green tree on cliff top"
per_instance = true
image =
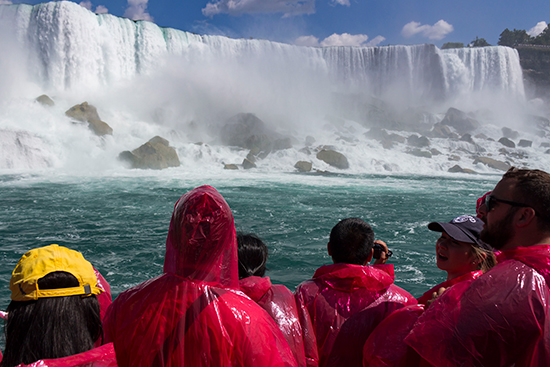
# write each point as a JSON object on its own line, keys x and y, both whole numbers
{"x": 543, "y": 38}
{"x": 513, "y": 38}
{"x": 479, "y": 42}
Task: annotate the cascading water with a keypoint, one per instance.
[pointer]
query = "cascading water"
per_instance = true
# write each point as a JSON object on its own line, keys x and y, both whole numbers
{"x": 146, "y": 80}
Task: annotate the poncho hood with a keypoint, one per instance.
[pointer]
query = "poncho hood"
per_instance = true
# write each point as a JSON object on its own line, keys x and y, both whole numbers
{"x": 350, "y": 277}
{"x": 255, "y": 287}
{"x": 201, "y": 243}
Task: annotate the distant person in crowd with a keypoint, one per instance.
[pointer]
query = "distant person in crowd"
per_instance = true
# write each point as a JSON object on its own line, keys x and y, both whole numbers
{"x": 502, "y": 317}
{"x": 276, "y": 299}
{"x": 345, "y": 301}
{"x": 54, "y": 310}
{"x": 194, "y": 314}
{"x": 460, "y": 253}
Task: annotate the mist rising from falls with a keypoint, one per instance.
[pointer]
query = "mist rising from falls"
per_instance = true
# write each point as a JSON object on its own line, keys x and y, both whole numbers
{"x": 146, "y": 80}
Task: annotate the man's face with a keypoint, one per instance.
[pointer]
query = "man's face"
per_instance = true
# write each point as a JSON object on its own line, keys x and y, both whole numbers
{"x": 498, "y": 229}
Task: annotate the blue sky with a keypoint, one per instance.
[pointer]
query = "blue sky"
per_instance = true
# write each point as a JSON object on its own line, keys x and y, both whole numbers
{"x": 337, "y": 22}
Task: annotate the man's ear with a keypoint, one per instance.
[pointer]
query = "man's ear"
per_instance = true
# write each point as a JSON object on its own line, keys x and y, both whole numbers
{"x": 328, "y": 249}
{"x": 526, "y": 216}
{"x": 370, "y": 256}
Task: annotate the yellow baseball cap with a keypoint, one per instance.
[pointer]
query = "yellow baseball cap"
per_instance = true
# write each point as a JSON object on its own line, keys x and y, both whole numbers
{"x": 39, "y": 262}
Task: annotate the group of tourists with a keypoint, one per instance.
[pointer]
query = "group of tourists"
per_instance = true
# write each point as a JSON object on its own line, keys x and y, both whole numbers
{"x": 213, "y": 306}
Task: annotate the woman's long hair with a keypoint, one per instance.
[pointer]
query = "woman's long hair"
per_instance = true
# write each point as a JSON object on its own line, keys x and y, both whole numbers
{"x": 51, "y": 327}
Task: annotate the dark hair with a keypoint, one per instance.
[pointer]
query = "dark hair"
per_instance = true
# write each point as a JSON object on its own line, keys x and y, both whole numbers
{"x": 252, "y": 255}
{"x": 351, "y": 241}
{"x": 532, "y": 187}
{"x": 52, "y": 327}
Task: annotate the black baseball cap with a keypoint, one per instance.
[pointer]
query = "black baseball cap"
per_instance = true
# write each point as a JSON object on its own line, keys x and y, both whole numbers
{"x": 464, "y": 228}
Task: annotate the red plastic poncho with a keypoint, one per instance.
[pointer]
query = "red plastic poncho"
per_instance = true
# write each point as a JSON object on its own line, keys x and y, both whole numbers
{"x": 280, "y": 304}
{"x": 194, "y": 314}
{"x": 385, "y": 346}
{"x": 345, "y": 303}
{"x": 105, "y": 297}
{"x": 448, "y": 283}
{"x": 103, "y": 356}
{"x": 498, "y": 319}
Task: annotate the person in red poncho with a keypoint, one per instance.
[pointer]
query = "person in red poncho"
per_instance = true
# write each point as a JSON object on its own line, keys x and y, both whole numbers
{"x": 276, "y": 299}
{"x": 54, "y": 318}
{"x": 463, "y": 256}
{"x": 194, "y": 314}
{"x": 460, "y": 252}
{"x": 501, "y": 318}
{"x": 347, "y": 300}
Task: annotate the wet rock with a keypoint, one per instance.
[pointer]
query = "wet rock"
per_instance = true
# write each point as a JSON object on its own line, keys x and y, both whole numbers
{"x": 418, "y": 141}
{"x": 525, "y": 143}
{"x": 248, "y": 164}
{"x": 453, "y": 158}
{"x": 230, "y": 166}
{"x": 467, "y": 138}
{"x": 507, "y": 142}
{"x": 493, "y": 163}
{"x": 457, "y": 169}
{"x": 333, "y": 158}
{"x": 441, "y": 131}
{"x": 420, "y": 153}
{"x": 310, "y": 140}
{"x": 435, "y": 151}
{"x": 85, "y": 112}
{"x": 481, "y": 136}
{"x": 509, "y": 133}
{"x": 460, "y": 121}
{"x": 545, "y": 145}
{"x": 247, "y": 131}
{"x": 155, "y": 154}
{"x": 303, "y": 166}
{"x": 45, "y": 100}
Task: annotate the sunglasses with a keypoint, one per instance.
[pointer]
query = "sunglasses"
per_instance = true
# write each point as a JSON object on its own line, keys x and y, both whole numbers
{"x": 491, "y": 200}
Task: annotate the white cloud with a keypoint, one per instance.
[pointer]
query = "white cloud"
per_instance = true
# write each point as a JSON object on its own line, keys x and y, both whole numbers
{"x": 375, "y": 41}
{"x": 5, "y": 2}
{"x": 307, "y": 41}
{"x": 137, "y": 10}
{"x": 239, "y": 7}
{"x": 434, "y": 32}
{"x": 536, "y": 30}
{"x": 86, "y": 4}
{"x": 340, "y": 2}
{"x": 344, "y": 39}
{"x": 100, "y": 9}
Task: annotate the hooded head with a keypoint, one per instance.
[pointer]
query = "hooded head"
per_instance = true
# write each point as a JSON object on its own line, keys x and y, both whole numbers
{"x": 202, "y": 243}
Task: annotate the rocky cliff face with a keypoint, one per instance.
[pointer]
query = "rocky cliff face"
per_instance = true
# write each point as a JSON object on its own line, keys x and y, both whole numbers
{"x": 535, "y": 62}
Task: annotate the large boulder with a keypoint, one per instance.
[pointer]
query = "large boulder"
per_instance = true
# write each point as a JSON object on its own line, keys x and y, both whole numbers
{"x": 493, "y": 163}
{"x": 303, "y": 166}
{"x": 333, "y": 158}
{"x": 155, "y": 154}
{"x": 507, "y": 142}
{"x": 418, "y": 141}
{"x": 457, "y": 169}
{"x": 247, "y": 131}
{"x": 45, "y": 100}
{"x": 85, "y": 112}
{"x": 460, "y": 121}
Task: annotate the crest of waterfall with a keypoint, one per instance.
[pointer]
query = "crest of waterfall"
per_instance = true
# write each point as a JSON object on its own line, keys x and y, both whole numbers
{"x": 146, "y": 80}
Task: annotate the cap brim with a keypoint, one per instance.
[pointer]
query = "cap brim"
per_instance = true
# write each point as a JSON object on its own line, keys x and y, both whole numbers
{"x": 453, "y": 231}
